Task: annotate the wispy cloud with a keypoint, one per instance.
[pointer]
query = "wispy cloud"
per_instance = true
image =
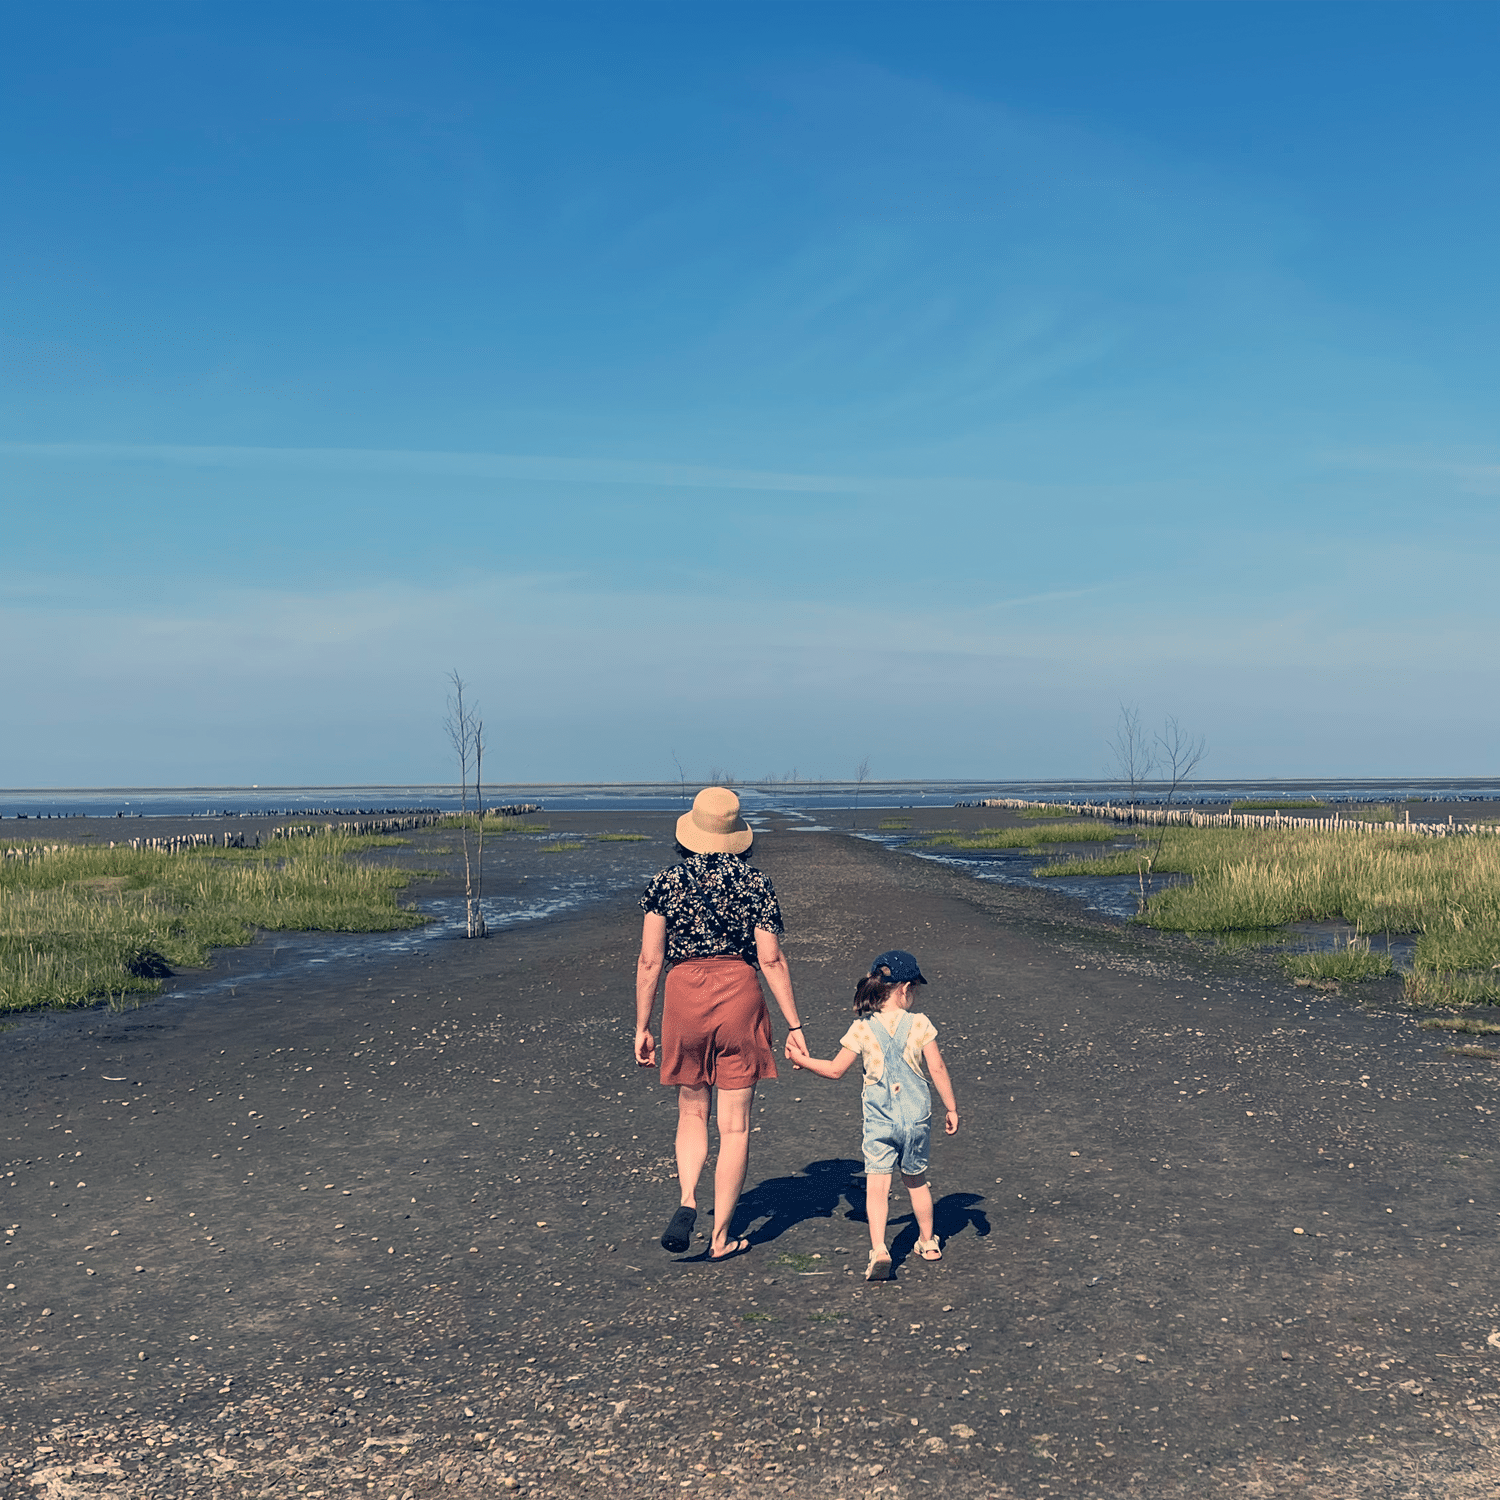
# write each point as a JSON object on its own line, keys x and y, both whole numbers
{"x": 347, "y": 684}
{"x": 529, "y": 467}
{"x": 1468, "y": 475}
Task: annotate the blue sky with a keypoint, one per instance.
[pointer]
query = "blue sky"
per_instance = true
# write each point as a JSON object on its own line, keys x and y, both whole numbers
{"x": 774, "y": 385}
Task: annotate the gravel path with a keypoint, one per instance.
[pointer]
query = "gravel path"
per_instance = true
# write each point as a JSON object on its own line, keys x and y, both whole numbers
{"x": 388, "y": 1228}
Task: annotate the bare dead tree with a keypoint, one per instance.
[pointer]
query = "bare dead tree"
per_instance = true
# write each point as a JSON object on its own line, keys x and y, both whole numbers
{"x": 1134, "y": 754}
{"x": 476, "y": 909}
{"x": 681, "y": 779}
{"x": 861, "y": 775}
{"x": 1180, "y": 755}
{"x": 466, "y": 735}
{"x": 478, "y": 739}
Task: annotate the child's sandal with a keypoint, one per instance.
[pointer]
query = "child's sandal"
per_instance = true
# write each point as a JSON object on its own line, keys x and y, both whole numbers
{"x": 880, "y": 1267}
{"x": 930, "y": 1249}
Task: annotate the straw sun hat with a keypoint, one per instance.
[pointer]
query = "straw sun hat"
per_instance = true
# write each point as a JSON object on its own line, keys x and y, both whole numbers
{"x": 714, "y": 826}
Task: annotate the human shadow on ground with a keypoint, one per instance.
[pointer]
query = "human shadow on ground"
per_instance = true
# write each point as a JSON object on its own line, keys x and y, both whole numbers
{"x": 951, "y": 1215}
{"x": 836, "y": 1188}
{"x": 778, "y": 1204}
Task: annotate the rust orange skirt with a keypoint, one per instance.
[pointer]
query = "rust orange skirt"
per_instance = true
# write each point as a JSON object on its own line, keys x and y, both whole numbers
{"x": 714, "y": 1027}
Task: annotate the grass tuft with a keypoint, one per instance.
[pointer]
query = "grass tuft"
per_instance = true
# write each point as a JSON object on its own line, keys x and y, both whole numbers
{"x": 561, "y": 846}
{"x": 493, "y": 823}
{"x": 1241, "y": 939}
{"x": 798, "y": 1262}
{"x": 620, "y": 838}
{"x": 895, "y": 824}
{"x": 1446, "y": 987}
{"x": 1461, "y": 1023}
{"x": 1350, "y": 964}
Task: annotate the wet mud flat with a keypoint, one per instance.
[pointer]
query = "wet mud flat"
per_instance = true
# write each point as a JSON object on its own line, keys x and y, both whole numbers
{"x": 390, "y": 1228}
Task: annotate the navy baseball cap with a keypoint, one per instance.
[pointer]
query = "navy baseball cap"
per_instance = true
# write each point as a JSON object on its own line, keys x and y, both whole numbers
{"x": 900, "y": 968}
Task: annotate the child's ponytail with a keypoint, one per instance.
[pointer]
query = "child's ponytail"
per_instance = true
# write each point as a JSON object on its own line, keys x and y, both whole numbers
{"x": 871, "y": 993}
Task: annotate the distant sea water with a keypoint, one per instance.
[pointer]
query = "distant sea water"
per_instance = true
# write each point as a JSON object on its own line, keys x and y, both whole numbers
{"x": 757, "y": 798}
{"x": 626, "y": 867}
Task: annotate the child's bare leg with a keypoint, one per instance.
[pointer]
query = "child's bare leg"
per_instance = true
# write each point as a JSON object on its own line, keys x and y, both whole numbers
{"x": 877, "y": 1206}
{"x": 692, "y": 1138}
{"x": 921, "y": 1203}
{"x": 733, "y": 1162}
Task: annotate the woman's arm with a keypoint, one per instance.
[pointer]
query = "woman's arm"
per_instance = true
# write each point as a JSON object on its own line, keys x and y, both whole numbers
{"x": 835, "y": 1069}
{"x": 944, "y": 1085}
{"x": 647, "y": 976}
{"x": 778, "y": 979}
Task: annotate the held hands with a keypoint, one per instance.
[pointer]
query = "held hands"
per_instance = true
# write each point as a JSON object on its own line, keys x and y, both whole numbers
{"x": 645, "y": 1048}
{"x": 796, "y": 1048}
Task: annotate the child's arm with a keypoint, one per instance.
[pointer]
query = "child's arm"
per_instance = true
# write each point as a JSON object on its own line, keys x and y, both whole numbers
{"x": 833, "y": 1069}
{"x": 944, "y": 1085}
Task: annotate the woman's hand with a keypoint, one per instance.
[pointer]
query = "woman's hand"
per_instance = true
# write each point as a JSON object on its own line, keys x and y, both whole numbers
{"x": 796, "y": 1047}
{"x": 645, "y": 1048}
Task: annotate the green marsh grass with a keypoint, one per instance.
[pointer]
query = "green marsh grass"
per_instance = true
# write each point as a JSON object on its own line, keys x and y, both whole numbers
{"x": 1350, "y": 964}
{"x": 895, "y": 824}
{"x": 493, "y": 823}
{"x": 620, "y": 838}
{"x": 1047, "y": 812}
{"x": 1027, "y": 838}
{"x": 1446, "y": 890}
{"x": 1261, "y": 804}
{"x": 91, "y": 923}
{"x": 562, "y": 846}
{"x": 1243, "y": 939}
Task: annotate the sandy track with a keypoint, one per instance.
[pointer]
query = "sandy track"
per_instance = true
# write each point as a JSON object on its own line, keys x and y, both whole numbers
{"x": 396, "y": 1225}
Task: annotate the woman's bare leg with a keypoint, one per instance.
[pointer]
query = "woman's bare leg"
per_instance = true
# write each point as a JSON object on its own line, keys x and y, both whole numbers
{"x": 734, "y": 1160}
{"x": 692, "y": 1138}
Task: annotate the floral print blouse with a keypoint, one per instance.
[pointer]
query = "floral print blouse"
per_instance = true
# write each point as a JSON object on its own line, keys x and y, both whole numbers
{"x": 713, "y": 903}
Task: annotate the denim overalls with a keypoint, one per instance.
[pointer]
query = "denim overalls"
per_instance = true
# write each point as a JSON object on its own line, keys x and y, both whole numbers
{"x": 897, "y": 1108}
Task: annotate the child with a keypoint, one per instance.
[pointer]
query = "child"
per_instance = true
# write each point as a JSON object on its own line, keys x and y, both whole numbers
{"x": 892, "y": 1041}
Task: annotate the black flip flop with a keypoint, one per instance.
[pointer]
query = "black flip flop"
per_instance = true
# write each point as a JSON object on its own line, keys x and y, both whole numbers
{"x": 678, "y": 1234}
{"x": 740, "y": 1247}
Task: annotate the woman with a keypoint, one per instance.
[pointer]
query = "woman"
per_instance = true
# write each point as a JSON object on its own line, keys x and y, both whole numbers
{"x": 711, "y": 920}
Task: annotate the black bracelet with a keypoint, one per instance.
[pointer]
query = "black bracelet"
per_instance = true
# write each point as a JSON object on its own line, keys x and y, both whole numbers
{"x": 794, "y": 1028}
